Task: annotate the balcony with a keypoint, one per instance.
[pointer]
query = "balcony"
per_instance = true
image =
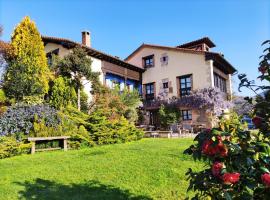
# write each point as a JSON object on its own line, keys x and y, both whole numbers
{"x": 151, "y": 104}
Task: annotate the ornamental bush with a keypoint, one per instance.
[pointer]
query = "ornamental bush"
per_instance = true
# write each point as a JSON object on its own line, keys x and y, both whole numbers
{"x": 62, "y": 93}
{"x": 168, "y": 115}
{"x": 20, "y": 118}
{"x": 105, "y": 131}
{"x": 237, "y": 160}
{"x": 9, "y": 146}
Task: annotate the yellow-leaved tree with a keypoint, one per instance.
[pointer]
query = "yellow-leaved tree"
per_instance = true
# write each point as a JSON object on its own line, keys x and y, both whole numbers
{"x": 27, "y": 74}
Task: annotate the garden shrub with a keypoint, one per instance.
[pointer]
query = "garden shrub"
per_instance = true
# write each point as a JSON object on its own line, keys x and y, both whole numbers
{"x": 9, "y": 146}
{"x": 3, "y": 97}
{"x": 80, "y": 138}
{"x": 84, "y": 102}
{"x": 33, "y": 100}
{"x": 3, "y": 101}
{"x": 168, "y": 115}
{"x": 104, "y": 131}
{"x": 20, "y": 118}
{"x": 124, "y": 131}
{"x": 62, "y": 93}
{"x": 71, "y": 124}
{"x": 40, "y": 129}
{"x": 77, "y": 117}
{"x": 116, "y": 103}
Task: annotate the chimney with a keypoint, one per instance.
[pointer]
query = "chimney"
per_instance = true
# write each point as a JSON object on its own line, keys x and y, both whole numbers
{"x": 86, "y": 39}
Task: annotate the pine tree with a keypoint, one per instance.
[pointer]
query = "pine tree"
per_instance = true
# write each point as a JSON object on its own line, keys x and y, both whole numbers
{"x": 27, "y": 73}
{"x": 77, "y": 65}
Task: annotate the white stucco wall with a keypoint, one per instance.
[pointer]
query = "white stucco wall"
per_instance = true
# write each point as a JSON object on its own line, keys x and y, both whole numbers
{"x": 179, "y": 64}
{"x": 96, "y": 67}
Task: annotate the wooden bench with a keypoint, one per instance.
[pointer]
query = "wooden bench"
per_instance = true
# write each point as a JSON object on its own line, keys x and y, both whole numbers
{"x": 155, "y": 134}
{"x": 36, "y": 139}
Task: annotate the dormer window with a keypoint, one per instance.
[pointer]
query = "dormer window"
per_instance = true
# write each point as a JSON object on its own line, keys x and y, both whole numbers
{"x": 148, "y": 61}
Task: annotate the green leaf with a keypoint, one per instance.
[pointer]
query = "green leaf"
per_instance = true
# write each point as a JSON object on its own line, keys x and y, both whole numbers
{"x": 264, "y": 169}
{"x": 227, "y": 196}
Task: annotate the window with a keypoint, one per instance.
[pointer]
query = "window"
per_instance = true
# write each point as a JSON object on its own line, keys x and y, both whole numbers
{"x": 186, "y": 115}
{"x": 220, "y": 83}
{"x": 50, "y": 61}
{"x": 148, "y": 61}
{"x": 129, "y": 87}
{"x": 165, "y": 85}
{"x": 185, "y": 85}
{"x": 50, "y": 54}
{"x": 149, "y": 91}
{"x": 164, "y": 59}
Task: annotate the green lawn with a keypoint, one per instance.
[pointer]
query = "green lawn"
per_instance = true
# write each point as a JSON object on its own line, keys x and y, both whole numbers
{"x": 147, "y": 169}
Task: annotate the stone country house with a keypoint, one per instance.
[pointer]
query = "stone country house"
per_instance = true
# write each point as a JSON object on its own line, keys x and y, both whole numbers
{"x": 155, "y": 70}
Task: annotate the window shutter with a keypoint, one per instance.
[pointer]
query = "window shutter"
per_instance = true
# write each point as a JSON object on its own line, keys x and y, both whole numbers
{"x": 170, "y": 87}
{"x": 160, "y": 85}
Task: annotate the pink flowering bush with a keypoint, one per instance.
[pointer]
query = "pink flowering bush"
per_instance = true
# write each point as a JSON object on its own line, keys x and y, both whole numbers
{"x": 237, "y": 160}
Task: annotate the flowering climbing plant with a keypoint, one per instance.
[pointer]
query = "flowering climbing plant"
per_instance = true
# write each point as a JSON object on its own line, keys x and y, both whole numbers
{"x": 237, "y": 160}
{"x": 209, "y": 99}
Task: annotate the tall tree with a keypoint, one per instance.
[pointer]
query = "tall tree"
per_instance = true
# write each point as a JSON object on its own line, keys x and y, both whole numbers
{"x": 27, "y": 73}
{"x": 77, "y": 65}
{"x": 4, "y": 49}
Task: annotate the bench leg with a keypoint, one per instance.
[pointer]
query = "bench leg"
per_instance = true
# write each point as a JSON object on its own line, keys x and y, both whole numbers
{"x": 33, "y": 148}
{"x": 65, "y": 145}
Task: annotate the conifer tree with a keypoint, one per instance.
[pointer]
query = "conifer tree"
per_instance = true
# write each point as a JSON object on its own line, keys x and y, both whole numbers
{"x": 27, "y": 73}
{"x": 77, "y": 65}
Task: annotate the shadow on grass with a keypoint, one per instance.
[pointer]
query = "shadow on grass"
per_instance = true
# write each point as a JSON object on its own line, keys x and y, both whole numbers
{"x": 44, "y": 189}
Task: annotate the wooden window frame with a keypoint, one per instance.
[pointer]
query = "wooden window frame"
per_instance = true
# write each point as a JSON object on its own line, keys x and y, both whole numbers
{"x": 146, "y": 58}
{"x": 186, "y": 115}
{"x": 151, "y": 95}
{"x": 220, "y": 83}
{"x": 186, "y": 88}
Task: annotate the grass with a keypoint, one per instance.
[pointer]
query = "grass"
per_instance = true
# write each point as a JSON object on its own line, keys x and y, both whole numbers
{"x": 147, "y": 169}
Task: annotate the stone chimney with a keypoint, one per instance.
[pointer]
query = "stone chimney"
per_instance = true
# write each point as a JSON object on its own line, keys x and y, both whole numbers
{"x": 86, "y": 38}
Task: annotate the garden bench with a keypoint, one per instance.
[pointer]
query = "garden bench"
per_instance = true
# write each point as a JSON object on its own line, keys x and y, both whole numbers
{"x": 155, "y": 134}
{"x": 36, "y": 139}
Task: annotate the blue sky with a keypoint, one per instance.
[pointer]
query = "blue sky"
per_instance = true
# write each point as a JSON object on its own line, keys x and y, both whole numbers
{"x": 237, "y": 27}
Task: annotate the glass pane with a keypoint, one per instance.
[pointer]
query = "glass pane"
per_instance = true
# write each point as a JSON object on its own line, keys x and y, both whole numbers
{"x": 183, "y": 80}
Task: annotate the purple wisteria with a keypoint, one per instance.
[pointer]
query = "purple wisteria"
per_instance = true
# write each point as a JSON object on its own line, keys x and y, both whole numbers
{"x": 209, "y": 99}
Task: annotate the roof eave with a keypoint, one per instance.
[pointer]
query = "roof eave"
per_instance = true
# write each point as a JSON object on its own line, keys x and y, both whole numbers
{"x": 219, "y": 59}
{"x": 92, "y": 52}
